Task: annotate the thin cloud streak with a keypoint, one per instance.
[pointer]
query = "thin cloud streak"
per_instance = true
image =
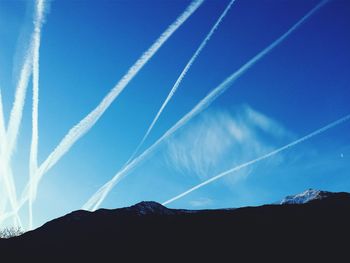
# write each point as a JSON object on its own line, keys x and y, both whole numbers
{"x": 17, "y": 109}
{"x": 89, "y": 121}
{"x": 25, "y": 73}
{"x": 261, "y": 158}
{"x": 2, "y": 127}
{"x": 181, "y": 77}
{"x": 33, "y": 158}
{"x": 94, "y": 202}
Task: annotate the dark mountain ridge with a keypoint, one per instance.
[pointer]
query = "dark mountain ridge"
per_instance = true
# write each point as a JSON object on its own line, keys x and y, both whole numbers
{"x": 314, "y": 230}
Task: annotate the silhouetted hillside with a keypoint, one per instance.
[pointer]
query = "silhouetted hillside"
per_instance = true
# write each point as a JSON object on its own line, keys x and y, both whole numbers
{"x": 315, "y": 230}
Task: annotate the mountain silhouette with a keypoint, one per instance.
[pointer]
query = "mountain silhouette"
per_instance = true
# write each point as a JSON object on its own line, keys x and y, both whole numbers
{"x": 316, "y": 228}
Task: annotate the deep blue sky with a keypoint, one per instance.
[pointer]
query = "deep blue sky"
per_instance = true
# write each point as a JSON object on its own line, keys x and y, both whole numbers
{"x": 86, "y": 48}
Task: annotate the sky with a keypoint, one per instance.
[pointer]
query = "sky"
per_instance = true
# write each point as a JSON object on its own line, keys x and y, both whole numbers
{"x": 87, "y": 47}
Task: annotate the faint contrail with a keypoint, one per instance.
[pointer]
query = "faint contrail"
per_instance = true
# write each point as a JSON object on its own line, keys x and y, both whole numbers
{"x": 180, "y": 78}
{"x": 6, "y": 173}
{"x": 99, "y": 196}
{"x": 2, "y": 128}
{"x": 22, "y": 201}
{"x": 261, "y": 158}
{"x": 3, "y": 196}
{"x": 9, "y": 184}
{"x": 33, "y": 159}
{"x": 88, "y": 122}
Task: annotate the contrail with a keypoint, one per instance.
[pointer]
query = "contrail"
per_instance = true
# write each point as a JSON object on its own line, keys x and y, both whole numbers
{"x": 33, "y": 159}
{"x": 180, "y": 78}
{"x": 20, "y": 204}
{"x": 88, "y": 122}
{"x": 9, "y": 184}
{"x": 261, "y": 158}
{"x": 98, "y": 197}
{"x": 17, "y": 108}
{"x": 2, "y": 128}
{"x": 5, "y": 174}
{"x": 2, "y": 149}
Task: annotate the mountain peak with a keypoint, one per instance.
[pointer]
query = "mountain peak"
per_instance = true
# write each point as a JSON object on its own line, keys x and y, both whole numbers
{"x": 150, "y": 207}
{"x": 305, "y": 197}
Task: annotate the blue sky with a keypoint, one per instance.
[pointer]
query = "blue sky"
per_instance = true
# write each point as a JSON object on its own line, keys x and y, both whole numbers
{"x": 87, "y": 46}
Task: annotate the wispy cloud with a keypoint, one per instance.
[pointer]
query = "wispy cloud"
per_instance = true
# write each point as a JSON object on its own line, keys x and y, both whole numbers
{"x": 261, "y": 158}
{"x": 221, "y": 139}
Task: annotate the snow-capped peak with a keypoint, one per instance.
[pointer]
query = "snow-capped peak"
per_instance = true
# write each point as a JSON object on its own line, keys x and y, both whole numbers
{"x": 305, "y": 197}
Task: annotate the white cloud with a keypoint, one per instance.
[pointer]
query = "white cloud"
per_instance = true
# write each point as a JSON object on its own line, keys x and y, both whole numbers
{"x": 219, "y": 139}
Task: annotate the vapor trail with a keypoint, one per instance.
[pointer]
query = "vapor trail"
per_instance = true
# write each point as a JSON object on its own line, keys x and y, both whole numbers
{"x": 99, "y": 196}
{"x": 180, "y": 78}
{"x": 261, "y": 158}
{"x": 17, "y": 108}
{"x": 2, "y": 149}
{"x": 5, "y": 172}
{"x": 88, "y": 122}
{"x": 20, "y": 204}
{"x": 33, "y": 159}
{"x": 2, "y": 128}
{"x": 7, "y": 177}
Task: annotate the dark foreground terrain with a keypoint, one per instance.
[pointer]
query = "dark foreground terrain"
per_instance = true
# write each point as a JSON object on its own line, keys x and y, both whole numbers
{"x": 315, "y": 231}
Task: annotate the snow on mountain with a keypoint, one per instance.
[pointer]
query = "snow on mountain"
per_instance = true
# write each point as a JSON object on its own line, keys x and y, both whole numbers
{"x": 305, "y": 197}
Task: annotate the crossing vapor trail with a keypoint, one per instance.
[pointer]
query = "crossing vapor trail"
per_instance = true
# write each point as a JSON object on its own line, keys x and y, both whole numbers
{"x": 17, "y": 109}
{"x": 181, "y": 77}
{"x": 96, "y": 199}
{"x": 89, "y": 121}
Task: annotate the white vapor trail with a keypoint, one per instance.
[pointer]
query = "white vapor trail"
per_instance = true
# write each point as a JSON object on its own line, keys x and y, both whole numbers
{"x": 26, "y": 71}
{"x": 11, "y": 136}
{"x": 180, "y": 78}
{"x": 20, "y": 204}
{"x": 261, "y": 158}
{"x": 99, "y": 196}
{"x": 17, "y": 109}
{"x": 33, "y": 159}
{"x": 6, "y": 176}
{"x": 88, "y": 122}
{"x": 2, "y": 128}
{"x": 2, "y": 149}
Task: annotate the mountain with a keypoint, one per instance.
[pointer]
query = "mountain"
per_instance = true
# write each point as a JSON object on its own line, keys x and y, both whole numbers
{"x": 307, "y": 196}
{"x": 312, "y": 226}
